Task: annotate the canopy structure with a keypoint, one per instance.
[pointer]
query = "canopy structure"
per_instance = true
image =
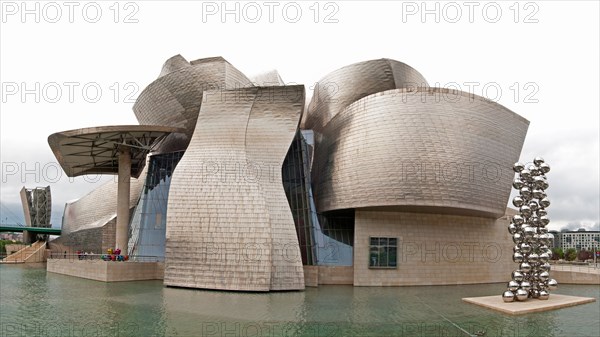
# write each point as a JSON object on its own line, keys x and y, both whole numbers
{"x": 118, "y": 150}
{"x": 95, "y": 150}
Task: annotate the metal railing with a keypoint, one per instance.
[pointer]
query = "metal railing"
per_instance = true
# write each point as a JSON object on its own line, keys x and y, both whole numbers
{"x": 592, "y": 268}
{"x": 98, "y": 257}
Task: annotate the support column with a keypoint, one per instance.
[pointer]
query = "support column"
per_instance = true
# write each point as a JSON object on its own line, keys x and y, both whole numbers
{"x": 28, "y": 237}
{"x": 122, "y": 232}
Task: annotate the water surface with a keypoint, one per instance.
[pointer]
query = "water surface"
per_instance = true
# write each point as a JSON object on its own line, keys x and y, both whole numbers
{"x": 36, "y": 303}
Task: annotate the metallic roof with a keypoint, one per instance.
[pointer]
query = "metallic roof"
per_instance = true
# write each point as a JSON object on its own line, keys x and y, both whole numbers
{"x": 95, "y": 150}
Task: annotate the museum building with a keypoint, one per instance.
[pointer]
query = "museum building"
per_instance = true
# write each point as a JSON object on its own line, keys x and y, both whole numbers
{"x": 241, "y": 183}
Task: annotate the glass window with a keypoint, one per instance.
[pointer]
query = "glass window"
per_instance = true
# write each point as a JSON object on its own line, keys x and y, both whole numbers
{"x": 383, "y": 252}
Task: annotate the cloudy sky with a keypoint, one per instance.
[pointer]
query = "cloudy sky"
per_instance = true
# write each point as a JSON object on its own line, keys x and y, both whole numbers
{"x": 67, "y": 65}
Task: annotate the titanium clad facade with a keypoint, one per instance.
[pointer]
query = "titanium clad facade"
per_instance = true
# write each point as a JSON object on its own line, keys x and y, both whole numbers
{"x": 229, "y": 223}
{"x": 370, "y": 190}
{"x": 427, "y": 149}
{"x": 88, "y": 222}
{"x": 342, "y": 87}
{"x": 174, "y": 98}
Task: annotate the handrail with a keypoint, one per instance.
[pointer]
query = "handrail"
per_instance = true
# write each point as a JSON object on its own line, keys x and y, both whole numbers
{"x": 590, "y": 268}
{"x": 91, "y": 257}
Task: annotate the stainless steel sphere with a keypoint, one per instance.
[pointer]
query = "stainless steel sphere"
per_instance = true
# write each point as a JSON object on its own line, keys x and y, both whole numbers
{"x": 521, "y": 295}
{"x": 534, "y": 221}
{"x": 525, "y": 248}
{"x": 533, "y": 205}
{"x": 545, "y": 202}
{"x": 534, "y": 170}
{"x": 517, "y": 238}
{"x": 512, "y": 228}
{"x": 525, "y": 193}
{"x": 526, "y": 175}
{"x": 508, "y": 296}
{"x": 525, "y": 285}
{"x": 552, "y": 284}
{"x": 541, "y": 212}
{"x": 544, "y": 276}
{"x": 538, "y": 161}
{"x": 544, "y": 295}
{"x": 517, "y": 276}
{"x": 528, "y": 232}
{"x": 525, "y": 210}
{"x": 546, "y": 238}
{"x": 533, "y": 258}
{"x": 518, "y": 257}
{"x": 512, "y": 285}
{"x": 544, "y": 257}
{"x": 518, "y": 201}
{"x": 545, "y": 266}
{"x": 525, "y": 267}
{"x": 516, "y": 248}
{"x": 545, "y": 168}
{"x": 518, "y": 220}
{"x": 537, "y": 193}
{"x": 518, "y": 167}
{"x": 534, "y": 293}
{"x": 543, "y": 230}
{"x": 545, "y": 186}
{"x": 518, "y": 183}
{"x": 544, "y": 220}
{"x": 538, "y": 182}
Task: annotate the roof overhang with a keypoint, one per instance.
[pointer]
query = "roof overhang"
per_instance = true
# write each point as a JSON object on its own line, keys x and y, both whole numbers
{"x": 96, "y": 150}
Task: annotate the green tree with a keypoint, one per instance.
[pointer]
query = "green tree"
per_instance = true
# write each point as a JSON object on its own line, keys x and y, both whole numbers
{"x": 3, "y": 243}
{"x": 558, "y": 253}
{"x": 571, "y": 254}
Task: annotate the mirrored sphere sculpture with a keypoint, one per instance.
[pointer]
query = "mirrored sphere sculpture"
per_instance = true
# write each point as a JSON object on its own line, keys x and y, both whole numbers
{"x": 531, "y": 237}
{"x": 508, "y": 296}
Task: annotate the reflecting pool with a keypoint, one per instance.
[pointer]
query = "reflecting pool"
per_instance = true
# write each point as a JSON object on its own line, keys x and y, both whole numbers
{"x": 36, "y": 303}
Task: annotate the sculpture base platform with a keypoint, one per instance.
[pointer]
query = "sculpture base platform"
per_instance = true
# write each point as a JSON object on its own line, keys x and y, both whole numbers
{"x": 531, "y": 305}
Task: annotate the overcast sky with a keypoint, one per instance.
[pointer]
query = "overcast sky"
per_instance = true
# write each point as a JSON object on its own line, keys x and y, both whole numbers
{"x": 77, "y": 67}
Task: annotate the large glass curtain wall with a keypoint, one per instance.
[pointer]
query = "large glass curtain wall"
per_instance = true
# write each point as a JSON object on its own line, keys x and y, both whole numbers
{"x": 149, "y": 221}
{"x": 323, "y": 239}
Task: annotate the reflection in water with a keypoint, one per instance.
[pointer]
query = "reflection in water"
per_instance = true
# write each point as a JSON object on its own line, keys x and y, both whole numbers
{"x": 34, "y": 303}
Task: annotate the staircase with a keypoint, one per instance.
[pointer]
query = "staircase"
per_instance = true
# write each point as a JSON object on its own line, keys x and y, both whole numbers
{"x": 34, "y": 253}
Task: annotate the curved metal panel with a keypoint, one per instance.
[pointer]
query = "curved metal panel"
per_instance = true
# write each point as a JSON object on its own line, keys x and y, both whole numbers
{"x": 174, "y": 98}
{"x": 98, "y": 207}
{"x": 342, "y": 87}
{"x": 228, "y": 222}
{"x": 425, "y": 149}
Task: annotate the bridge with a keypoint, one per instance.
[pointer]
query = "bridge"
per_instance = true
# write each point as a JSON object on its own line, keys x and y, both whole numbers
{"x": 38, "y": 230}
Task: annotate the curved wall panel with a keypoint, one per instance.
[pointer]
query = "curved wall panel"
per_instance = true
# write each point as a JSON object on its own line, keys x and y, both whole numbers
{"x": 99, "y": 206}
{"x": 229, "y": 224}
{"x": 342, "y": 87}
{"x": 430, "y": 149}
{"x": 89, "y": 222}
{"x": 174, "y": 98}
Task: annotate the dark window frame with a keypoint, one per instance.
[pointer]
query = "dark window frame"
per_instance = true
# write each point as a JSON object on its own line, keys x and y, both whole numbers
{"x": 383, "y": 252}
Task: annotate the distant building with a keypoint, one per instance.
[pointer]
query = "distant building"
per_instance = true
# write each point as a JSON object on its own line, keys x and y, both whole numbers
{"x": 37, "y": 206}
{"x": 556, "y": 240}
{"x": 578, "y": 239}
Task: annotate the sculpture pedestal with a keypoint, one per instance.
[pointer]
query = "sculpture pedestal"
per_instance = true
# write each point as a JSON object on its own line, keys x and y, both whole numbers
{"x": 531, "y": 305}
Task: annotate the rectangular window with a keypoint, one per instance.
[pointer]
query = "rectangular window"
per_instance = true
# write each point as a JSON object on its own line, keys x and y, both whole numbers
{"x": 383, "y": 252}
